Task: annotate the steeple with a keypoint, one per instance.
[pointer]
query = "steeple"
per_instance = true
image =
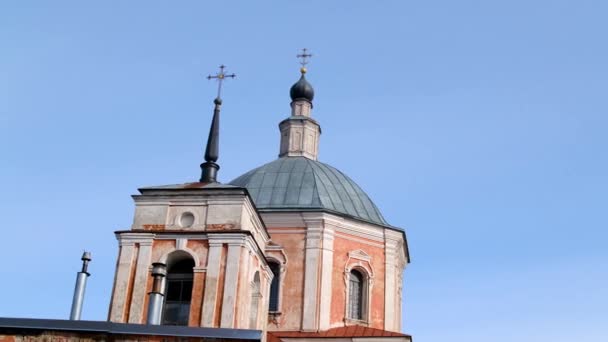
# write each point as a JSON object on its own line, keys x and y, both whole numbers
{"x": 299, "y": 132}
{"x": 209, "y": 168}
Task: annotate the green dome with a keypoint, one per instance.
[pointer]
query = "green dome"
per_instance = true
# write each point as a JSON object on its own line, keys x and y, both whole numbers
{"x": 299, "y": 183}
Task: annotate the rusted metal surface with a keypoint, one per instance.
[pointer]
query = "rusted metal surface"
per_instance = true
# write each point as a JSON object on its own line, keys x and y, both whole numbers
{"x": 154, "y": 226}
{"x": 29, "y": 329}
{"x": 220, "y": 226}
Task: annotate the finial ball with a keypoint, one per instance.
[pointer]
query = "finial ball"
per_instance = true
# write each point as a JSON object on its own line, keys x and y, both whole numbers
{"x": 303, "y": 70}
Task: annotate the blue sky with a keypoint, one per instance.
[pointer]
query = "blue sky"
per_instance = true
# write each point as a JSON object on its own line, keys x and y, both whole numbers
{"x": 478, "y": 126}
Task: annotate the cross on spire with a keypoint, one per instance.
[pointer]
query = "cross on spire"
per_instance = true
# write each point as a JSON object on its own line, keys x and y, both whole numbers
{"x": 220, "y": 76}
{"x": 304, "y": 56}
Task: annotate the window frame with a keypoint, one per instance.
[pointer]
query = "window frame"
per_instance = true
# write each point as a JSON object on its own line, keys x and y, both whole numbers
{"x": 365, "y": 296}
{"x": 178, "y": 277}
{"x": 356, "y": 313}
{"x": 360, "y": 261}
{"x": 282, "y": 271}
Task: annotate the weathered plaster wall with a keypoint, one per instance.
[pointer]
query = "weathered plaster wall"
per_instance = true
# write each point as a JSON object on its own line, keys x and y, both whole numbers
{"x": 293, "y": 242}
{"x": 342, "y": 247}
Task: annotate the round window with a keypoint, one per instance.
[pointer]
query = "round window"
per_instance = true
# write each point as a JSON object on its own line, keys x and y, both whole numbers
{"x": 186, "y": 220}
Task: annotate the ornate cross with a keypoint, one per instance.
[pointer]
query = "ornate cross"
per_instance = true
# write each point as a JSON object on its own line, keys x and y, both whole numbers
{"x": 304, "y": 57}
{"x": 220, "y": 76}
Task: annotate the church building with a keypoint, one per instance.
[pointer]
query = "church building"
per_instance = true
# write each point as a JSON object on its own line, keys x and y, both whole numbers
{"x": 293, "y": 248}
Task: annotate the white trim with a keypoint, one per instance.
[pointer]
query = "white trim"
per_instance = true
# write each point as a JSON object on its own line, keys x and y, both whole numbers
{"x": 368, "y": 275}
{"x": 287, "y": 231}
{"x": 181, "y": 243}
{"x": 121, "y": 283}
{"x": 360, "y": 255}
{"x": 187, "y": 250}
{"x": 211, "y": 285}
{"x": 138, "y": 295}
{"x": 130, "y": 239}
{"x": 311, "y": 279}
{"x": 272, "y": 251}
{"x": 286, "y": 220}
{"x": 231, "y": 278}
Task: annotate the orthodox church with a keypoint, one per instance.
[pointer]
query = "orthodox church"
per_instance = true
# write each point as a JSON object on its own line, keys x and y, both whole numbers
{"x": 293, "y": 248}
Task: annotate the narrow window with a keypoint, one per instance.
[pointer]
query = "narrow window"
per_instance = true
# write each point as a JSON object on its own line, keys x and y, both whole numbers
{"x": 273, "y": 303}
{"x": 355, "y": 295}
{"x": 179, "y": 293}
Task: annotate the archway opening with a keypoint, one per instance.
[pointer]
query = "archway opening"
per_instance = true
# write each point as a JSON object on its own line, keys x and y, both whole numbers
{"x": 178, "y": 295}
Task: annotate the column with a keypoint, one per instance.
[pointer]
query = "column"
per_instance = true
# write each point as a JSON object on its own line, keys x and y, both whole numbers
{"x": 211, "y": 283}
{"x": 230, "y": 284}
{"x": 121, "y": 284}
{"x": 327, "y": 262}
{"x": 140, "y": 282}
{"x": 390, "y": 280}
{"x": 311, "y": 279}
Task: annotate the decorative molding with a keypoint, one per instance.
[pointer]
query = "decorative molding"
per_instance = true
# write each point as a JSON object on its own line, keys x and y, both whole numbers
{"x": 200, "y": 269}
{"x": 181, "y": 243}
{"x": 361, "y": 261}
{"x": 184, "y": 249}
{"x": 287, "y": 231}
{"x": 276, "y": 252}
{"x": 359, "y": 254}
{"x": 130, "y": 239}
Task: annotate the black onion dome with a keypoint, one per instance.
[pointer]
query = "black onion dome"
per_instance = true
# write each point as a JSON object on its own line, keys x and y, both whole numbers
{"x": 302, "y": 90}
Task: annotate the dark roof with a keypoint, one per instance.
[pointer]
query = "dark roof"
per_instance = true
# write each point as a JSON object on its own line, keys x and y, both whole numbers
{"x": 192, "y": 185}
{"x": 302, "y": 90}
{"x": 126, "y": 329}
{"x": 341, "y": 332}
{"x": 299, "y": 183}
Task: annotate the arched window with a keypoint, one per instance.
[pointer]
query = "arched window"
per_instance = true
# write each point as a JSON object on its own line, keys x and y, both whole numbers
{"x": 356, "y": 295}
{"x": 273, "y": 302}
{"x": 178, "y": 292}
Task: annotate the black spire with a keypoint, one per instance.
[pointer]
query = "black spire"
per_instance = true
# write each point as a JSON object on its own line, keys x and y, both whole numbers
{"x": 210, "y": 167}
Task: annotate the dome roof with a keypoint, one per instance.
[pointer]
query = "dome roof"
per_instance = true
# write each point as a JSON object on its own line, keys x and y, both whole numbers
{"x": 300, "y": 183}
{"x": 302, "y": 90}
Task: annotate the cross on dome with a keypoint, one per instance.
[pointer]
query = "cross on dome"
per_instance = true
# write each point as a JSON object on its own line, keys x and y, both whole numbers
{"x": 304, "y": 56}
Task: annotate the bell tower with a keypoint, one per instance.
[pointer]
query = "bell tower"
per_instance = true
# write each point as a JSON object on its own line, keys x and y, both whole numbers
{"x": 194, "y": 254}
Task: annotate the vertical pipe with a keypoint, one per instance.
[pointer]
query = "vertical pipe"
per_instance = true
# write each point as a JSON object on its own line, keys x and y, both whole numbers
{"x": 155, "y": 304}
{"x": 81, "y": 283}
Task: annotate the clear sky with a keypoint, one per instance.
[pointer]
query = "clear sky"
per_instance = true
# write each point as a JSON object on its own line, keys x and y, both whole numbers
{"x": 478, "y": 126}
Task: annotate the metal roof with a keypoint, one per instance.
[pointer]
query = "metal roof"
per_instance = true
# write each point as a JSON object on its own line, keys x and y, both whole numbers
{"x": 339, "y": 332}
{"x": 127, "y": 329}
{"x": 302, "y": 183}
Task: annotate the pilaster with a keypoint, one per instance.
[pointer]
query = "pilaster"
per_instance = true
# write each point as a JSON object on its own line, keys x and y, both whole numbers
{"x": 138, "y": 296}
{"x": 311, "y": 279}
{"x": 121, "y": 282}
{"x": 211, "y": 283}
{"x": 394, "y": 262}
{"x": 327, "y": 262}
{"x": 231, "y": 285}
{"x": 318, "y": 270}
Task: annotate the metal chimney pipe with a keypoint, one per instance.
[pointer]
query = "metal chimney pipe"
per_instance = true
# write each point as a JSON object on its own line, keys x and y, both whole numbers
{"x": 81, "y": 283}
{"x": 155, "y": 306}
